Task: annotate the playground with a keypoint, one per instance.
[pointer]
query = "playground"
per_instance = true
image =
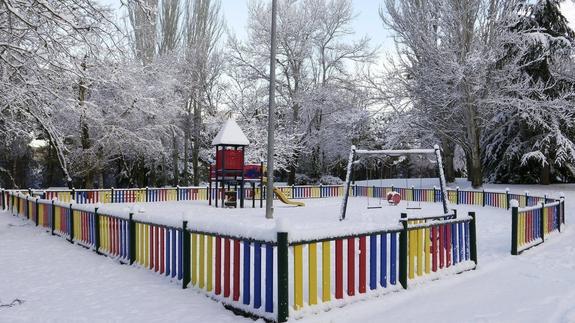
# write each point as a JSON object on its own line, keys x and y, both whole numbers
{"x": 500, "y": 283}
{"x": 328, "y": 246}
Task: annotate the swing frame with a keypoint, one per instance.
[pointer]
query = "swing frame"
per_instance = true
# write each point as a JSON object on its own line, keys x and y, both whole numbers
{"x": 394, "y": 153}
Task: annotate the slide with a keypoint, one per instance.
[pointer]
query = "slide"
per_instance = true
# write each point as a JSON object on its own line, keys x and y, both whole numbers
{"x": 281, "y": 196}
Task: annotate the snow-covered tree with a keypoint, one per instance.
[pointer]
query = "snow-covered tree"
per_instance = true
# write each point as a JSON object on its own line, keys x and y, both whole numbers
{"x": 315, "y": 51}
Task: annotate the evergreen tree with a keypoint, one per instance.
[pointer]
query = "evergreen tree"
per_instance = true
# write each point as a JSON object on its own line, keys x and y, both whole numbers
{"x": 532, "y": 140}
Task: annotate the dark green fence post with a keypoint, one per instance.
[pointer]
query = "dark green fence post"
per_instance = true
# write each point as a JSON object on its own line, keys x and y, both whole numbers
{"x": 292, "y": 191}
{"x": 17, "y": 199}
{"x": 96, "y": 231}
{"x": 132, "y": 241}
{"x": 457, "y": 195}
{"x": 514, "y": 223}
{"x": 147, "y": 198}
{"x": 483, "y": 197}
{"x": 185, "y": 255}
{"x": 473, "y": 238}
{"x": 541, "y": 222}
{"x": 283, "y": 276}
{"x": 71, "y": 221}
{"x": 73, "y": 194}
{"x": 403, "y": 252}
{"x": 562, "y": 210}
{"x": 36, "y": 212}
{"x": 177, "y": 192}
{"x": 507, "y": 198}
{"x": 27, "y": 208}
{"x": 53, "y": 218}
{"x": 434, "y": 194}
{"x": 111, "y": 195}
{"x": 2, "y": 197}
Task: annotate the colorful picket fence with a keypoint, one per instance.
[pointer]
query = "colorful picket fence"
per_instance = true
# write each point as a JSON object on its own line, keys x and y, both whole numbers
{"x": 281, "y": 278}
{"x": 455, "y": 196}
{"x": 158, "y": 248}
{"x": 378, "y": 262}
{"x": 530, "y": 225}
{"x": 239, "y": 272}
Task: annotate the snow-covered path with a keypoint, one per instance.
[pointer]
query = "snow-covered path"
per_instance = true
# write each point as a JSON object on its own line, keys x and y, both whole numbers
{"x": 63, "y": 283}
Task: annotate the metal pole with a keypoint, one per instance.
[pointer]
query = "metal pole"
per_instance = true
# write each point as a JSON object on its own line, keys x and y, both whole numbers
{"x": 271, "y": 121}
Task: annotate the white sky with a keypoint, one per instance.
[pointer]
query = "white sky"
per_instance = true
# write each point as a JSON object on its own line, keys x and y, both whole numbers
{"x": 367, "y": 21}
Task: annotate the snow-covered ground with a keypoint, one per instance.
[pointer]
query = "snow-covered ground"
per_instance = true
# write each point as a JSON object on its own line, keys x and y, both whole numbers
{"x": 58, "y": 282}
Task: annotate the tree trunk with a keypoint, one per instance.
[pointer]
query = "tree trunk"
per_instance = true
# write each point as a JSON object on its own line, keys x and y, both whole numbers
{"x": 175, "y": 155}
{"x": 88, "y": 179}
{"x": 545, "y": 178}
{"x": 476, "y": 169}
{"x": 291, "y": 175}
{"x": 448, "y": 164}
{"x": 187, "y": 125}
{"x": 197, "y": 142}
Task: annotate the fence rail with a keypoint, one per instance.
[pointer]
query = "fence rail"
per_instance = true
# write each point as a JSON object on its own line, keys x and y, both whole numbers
{"x": 499, "y": 199}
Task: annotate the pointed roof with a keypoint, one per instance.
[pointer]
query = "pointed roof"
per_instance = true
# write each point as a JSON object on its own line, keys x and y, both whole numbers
{"x": 231, "y": 134}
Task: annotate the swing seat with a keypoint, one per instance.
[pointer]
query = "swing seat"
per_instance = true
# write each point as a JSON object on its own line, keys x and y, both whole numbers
{"x": 393, "y": 198}
{"x": 374, "y": 207}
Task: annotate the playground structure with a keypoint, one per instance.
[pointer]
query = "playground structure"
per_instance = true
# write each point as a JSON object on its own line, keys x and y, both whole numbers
{"x": 229, "y": 174}
{"x": 393, "y": 199}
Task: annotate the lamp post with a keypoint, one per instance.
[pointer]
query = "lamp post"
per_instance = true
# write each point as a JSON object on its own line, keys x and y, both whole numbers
{"x": 271, "y": 121}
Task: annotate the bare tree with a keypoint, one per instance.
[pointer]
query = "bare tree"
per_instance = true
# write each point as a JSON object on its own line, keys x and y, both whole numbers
{"x": 203, "y": 67}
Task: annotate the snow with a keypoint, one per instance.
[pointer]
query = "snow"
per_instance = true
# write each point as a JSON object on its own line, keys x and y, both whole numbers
{"x": 231, "y": 134}
{"x": 317, "y": 220}
{"x": 60, "y": 282}
{"x": 75, "y": 283}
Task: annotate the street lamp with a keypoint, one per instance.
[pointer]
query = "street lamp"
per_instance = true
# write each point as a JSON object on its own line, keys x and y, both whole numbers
{"x": 271, "y": 121}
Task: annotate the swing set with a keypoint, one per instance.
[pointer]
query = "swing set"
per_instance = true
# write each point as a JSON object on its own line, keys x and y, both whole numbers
{"x": 391, "y": 196}
{"x": 354, "y": 152}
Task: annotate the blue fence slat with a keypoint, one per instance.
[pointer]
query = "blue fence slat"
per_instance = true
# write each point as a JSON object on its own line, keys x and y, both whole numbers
{"x": 383, "y": 260}
{"x": 269, "y": 307}
{"x": 257, "y": 275}
{"x": 372, "y": 261}
{"x": 393, "y": 259}
{"x": 246, "y": 273}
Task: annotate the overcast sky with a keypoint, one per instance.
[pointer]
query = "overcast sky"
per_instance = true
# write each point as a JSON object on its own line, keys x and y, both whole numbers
{"x": 367, "y": 21}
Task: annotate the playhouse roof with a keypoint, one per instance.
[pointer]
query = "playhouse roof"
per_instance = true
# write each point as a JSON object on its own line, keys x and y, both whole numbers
{"x": 231, "y": 134}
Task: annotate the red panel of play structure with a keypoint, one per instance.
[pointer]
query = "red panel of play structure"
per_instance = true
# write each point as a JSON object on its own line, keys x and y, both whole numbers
{"x": 233, "y": 159}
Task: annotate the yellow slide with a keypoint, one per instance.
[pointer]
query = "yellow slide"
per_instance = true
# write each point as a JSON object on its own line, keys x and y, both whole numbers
{"x": 284, "y": 199}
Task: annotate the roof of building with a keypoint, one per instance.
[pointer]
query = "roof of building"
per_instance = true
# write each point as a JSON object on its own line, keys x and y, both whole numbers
{"x": 231, "y": 134}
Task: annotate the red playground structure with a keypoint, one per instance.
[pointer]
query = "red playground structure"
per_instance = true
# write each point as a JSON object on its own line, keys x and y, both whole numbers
{"x": 229, "y": 174}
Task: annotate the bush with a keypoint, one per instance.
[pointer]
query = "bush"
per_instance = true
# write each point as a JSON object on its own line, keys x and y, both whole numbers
{"x": 302, "y": 179}
{"x": 330, "y": 180}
